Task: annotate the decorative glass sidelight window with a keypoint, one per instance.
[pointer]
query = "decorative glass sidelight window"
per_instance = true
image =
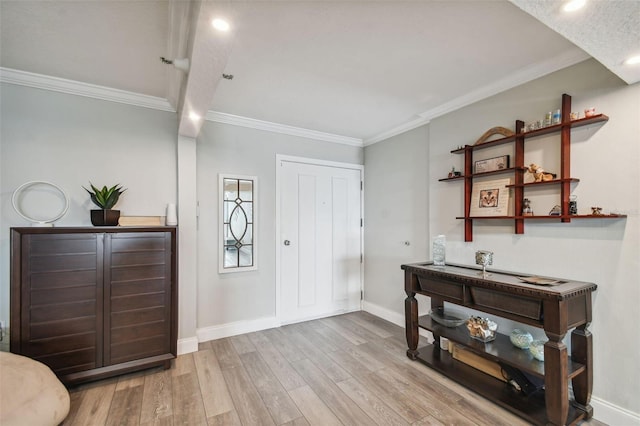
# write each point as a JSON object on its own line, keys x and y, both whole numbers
{"x": 237, "y": 232}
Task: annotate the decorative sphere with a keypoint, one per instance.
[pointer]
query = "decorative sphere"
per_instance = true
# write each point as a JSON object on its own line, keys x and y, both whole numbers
{"x": 537, "y": 349}
{"x": 520, "y": 338}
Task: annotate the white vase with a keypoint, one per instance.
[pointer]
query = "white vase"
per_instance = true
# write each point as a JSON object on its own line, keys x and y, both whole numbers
{"x": 172, "y": 215}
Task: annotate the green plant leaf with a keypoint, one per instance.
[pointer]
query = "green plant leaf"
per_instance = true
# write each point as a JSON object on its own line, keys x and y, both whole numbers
{"x": 105, "y": 198}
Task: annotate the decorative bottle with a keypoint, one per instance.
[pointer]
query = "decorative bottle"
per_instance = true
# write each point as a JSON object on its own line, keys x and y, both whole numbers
{"x": 439, "y": 250}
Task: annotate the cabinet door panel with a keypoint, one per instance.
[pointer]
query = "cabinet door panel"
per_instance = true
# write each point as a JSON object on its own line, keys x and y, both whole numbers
{"x": 137, "y": 272}
{"x": 136, "y": 301}
{"x": 63, "y": 279}
{"x": 61, "y": 287}
{"x": 52, "y": 296}
{"x": 137, "y": 349}
{"x": 70, "y": 362}
{"x": 61, "y": 344}
{"x": 138, "y": 316}
{"x": 153, "y": 285}
{"x": 63, "y": 327}
{"x": 55, "y": 262}
{"x": 137, "y": 258}
{"x": 137, "y": 295}
{"x": 150, "y": 329}
{"x": 51, "y": 313}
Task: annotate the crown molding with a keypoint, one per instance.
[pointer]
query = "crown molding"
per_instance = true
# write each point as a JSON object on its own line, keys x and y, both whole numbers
{"x": 56, "y": 84}
{"x": 409, "y": 125}
{"x": 236, "y": 120}
{"x": 518, "y": 78}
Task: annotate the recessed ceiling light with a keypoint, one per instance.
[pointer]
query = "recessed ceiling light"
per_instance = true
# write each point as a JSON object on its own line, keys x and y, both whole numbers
{"x": 193, "y": 116}
{"x": 573, "y": 5}
{"x": 634, "y": 60}
{"x": 220, "y": 24}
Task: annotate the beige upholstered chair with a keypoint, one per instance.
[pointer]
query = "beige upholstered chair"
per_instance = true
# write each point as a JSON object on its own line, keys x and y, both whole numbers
{"x": 30, "y": 394}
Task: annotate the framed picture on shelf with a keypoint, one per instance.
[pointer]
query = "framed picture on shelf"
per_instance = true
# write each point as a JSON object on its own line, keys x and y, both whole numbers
{"x": 490, "y": 198}
{"x": 491, "y": 164}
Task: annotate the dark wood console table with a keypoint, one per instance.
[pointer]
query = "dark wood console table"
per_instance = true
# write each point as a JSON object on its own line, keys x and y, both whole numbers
{"x": 556, "y": 309}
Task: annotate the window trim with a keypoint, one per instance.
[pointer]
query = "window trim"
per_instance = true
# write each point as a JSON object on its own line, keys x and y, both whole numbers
{"x": 221, "y": 248}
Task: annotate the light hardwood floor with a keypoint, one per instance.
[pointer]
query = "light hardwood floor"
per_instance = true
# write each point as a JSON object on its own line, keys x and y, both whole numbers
{"x": 345, "y": 370}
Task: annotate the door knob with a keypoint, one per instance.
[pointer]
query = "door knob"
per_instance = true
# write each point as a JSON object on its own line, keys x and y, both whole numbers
{"x": 287, "y": 242}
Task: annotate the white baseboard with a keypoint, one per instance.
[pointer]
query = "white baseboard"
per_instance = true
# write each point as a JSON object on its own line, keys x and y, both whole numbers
{"x": 611, "y": 414}
{"x": 384, "y": 313}
{"x": 604, "y": 411}
{"x": 233, "y": 329}
{"x": 391, "y": 316}
{"x": 188, "y": 345}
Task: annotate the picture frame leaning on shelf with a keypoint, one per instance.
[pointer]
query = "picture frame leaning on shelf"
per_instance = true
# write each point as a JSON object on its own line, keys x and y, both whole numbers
{"x": 490, "y": 198}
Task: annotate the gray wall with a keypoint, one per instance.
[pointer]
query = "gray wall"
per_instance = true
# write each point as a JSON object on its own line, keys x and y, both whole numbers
{"x": 604, "y": 157}
{"x": 396, "y": 194}
{"x": 222, "y": 148}
{"x": 71, "y": 140}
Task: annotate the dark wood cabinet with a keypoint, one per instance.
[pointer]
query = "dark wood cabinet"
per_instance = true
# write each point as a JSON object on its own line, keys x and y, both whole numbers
{"x": 563, "y": 180}
{"x": 94, "y": 302}
{"x": 556, "y": 309}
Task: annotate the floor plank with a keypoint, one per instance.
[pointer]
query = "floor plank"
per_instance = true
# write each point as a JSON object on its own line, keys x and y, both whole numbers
{"x": 314, "y": 409}
{"x": 230, "y": 418}
{"x": 242, "y": 344}
{"x": 281, "y": 368}
{"x": 157, "y": 401}
{"x": 311, "y": 352}
{"x": 429, "y": 402}
{"x": 188, "y": 408}
{"x": 395, "y": 399}
{"x": 126, "y": 405}
{"x": 373, "y": 406}
{"x": 330, "y": 334}
{"x": 284, "y": 345}
{"x": 250, "y": 407}
{"x": 215, "y": 394}
{"x": 344, "y": 408}
{"x": 226, "y": 354}
{"x": 96, "y": 402}
{"x": 275, "y": 397}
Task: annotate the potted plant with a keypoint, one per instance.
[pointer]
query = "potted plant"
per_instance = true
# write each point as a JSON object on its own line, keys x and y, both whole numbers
{"x": 105, "y": 198}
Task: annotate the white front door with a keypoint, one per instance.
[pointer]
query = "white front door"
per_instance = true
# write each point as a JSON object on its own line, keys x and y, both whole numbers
{"x": 320, "y": 240}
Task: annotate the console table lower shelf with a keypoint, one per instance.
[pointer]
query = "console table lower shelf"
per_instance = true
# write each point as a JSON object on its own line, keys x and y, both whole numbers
{"x": 532, "y": 407}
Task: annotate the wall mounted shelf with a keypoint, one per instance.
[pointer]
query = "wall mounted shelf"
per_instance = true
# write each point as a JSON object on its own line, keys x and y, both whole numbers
{"x": 564, "y": 180}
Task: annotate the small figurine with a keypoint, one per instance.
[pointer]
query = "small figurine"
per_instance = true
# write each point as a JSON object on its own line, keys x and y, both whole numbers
{"x": 596, "y": 211}
{"x": 573, "y": 205}
{"x": 555, "y": 211}
{"x": 453, "y": 173}
{"x": 526, "y": 207}
{"x": 539, "y": 175}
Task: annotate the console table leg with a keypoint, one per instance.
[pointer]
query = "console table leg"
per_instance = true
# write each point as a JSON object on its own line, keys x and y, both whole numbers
{"x": 411, "y": 324}
{"x": 582, "y": 352}
{"x": 555, "y": 380}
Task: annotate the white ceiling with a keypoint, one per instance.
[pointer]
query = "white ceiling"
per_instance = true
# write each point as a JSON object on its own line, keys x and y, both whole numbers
{"x": 356, "y": 70}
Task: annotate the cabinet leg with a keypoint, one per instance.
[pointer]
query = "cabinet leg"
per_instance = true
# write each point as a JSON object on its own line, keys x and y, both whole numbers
{"x": 555, "y": 380}
{"x": 411, "y": 324}
{"x": 582, "y": 352}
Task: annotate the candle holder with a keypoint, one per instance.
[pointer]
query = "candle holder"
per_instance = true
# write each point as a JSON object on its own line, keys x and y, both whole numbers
{"x": 484, "y": 258}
